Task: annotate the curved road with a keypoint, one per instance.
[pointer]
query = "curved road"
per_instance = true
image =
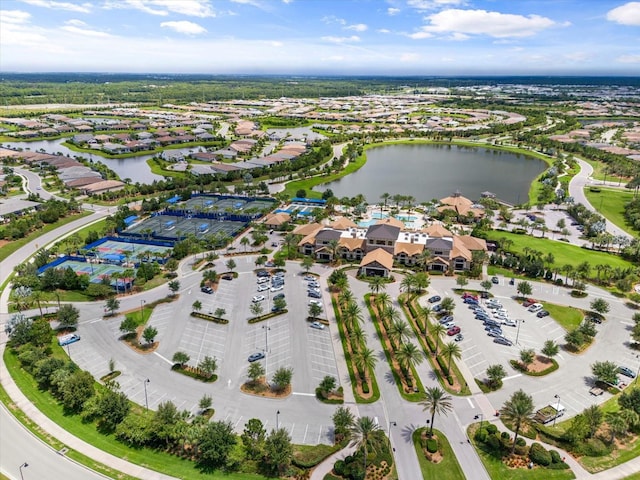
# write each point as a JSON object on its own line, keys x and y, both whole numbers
{"x": 576, "y": 189}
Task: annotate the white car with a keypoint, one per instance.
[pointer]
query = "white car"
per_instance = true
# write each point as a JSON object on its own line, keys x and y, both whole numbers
{"x": 262, "y": 280}
{"x": 510, "y": 322}
{"x": 315, "y": 302}
{"x": 263, "y": 288}
{"x": 449, "y": 325}
{"x": 317, "y": 325}
{"x": 257, "y": 298}
{"x": 278, "y": 288}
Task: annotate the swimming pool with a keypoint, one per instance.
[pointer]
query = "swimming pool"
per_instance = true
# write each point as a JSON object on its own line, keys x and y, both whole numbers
{"x": 407, "y": 218}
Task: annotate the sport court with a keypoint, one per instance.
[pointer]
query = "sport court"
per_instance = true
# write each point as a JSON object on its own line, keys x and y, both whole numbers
{"x": 119, "y": 252}
{"x": 230, "y": 205}
{"x": 175, "y": 227}
{"x": 96, "y": 271}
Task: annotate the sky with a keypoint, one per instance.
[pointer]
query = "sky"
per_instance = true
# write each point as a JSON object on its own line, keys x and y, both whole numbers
{"x": 322, "y": 37}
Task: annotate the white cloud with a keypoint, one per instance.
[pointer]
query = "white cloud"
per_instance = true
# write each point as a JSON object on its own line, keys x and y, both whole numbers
{"x": 383, "y": 30}
{"x": 629, "y": 58}
{"x": 352, "y": 38}
{"x": 253, "y": 3}
{"x": 191, "y": 8}
{"x": 184, "y": 26}
{"x": 14, "y": 16}
{"x": 420, "y": 35}
{"x": 331, "y": 19}
{"x": 458, "y": 37}
{"x": 481, "y": 22}
{"x": 627, "y": 14}
{"x": 84, "y": 31}
{"x": 577, "y": 56}
{"x": 392, "y": 11}
{"x": 76, "y": 23}
{"x": 357, "y": 27}
{"x": 434, "y": 4}
{"x": 72, "y": 7}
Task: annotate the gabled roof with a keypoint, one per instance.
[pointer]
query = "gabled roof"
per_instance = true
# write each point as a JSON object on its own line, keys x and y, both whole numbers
{"x": 408, "y": 248}
{"x": 328, "y": 234}
{"x": 459, "y": 250}
{"x": 307, "y": 229}
{"x": 437, "y": 230}
{"x": 351, "y": 243}
{"x": 380, "y": 256}
{"x": 343, "y": 223}
{"x": 277, "y": 218}
{"x": 391, "y": 221}
{"x": 439, "y": 243}
{"x": 384, "y": 232}
{"x": 471, "y": 243}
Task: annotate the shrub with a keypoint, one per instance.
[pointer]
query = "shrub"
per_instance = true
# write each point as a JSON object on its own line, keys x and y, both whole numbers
{"x": 522, "y": 450}
{"x": 558, "y": 466}
{"x": 481, "y": 436}
{"x": 559, "y": 282}
{"x": 339, "y": 467}
{"x": 595, "y": 447}
{"x": 505, "y": 435}
{"x": 492, "y": 429}
{"x": 432, "y": 445}
{"x": 493, "y": 442}
{"x": 539, "y": 455}
{"x": 521, "y": 442}
{"x": 365, "y": 388}
{"x": 555, "y": 456}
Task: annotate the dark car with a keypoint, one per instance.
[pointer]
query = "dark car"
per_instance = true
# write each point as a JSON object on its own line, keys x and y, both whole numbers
{"x": 542, "y": 314}
{"x": 470, "y": 300}
{"x": 227, "y": 276}
{"x": 494, "y": 333}
{"x": 256, "y": 356}
{"x": 495, "y": 280}
{"x": 279, "y": 295}
{"x": 437, "y": 308}
{"x": 484, "y": 294}
{"x": 626, "y": 371}
{"x": 595, "y": 320}
{"x": 313, "y": 294}
{"x": 503, "y": 341}
{"x": 206, "y": 289}
{"x": 435, "y": 299}
{"x": 262, "y": 273}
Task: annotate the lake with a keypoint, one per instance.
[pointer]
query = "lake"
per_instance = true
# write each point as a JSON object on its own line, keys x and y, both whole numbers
{"x": 135, "y": 168}
{"x": 427, "y": 171}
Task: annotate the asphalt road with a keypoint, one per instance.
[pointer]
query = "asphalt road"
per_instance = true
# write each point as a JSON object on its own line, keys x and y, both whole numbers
{"x": 19, "y": 446}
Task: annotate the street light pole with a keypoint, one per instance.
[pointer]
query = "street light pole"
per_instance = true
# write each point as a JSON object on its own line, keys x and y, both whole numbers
{"x": 481, "y": 415}
{"x": 557, "y": 409}
{"x": 142, "y": 302}
{"x": 24, "y": 465}
{"x": 146, "y": 399}
{"x": 518, "y": 332}
{"x": 266, "y": 337}
{"x": 278, "y": 420}
{"x": 635, "y": 380}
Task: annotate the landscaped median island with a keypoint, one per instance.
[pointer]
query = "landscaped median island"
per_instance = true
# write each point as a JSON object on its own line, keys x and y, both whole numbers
{"x": 436, "y": 458}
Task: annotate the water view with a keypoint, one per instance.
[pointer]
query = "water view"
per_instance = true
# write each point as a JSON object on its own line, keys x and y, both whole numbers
{"x": 435, "y": 171}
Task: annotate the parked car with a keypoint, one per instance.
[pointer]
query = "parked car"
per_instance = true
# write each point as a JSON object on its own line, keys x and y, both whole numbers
{"x": 206, "y": 289}
{"x": 312, "y": 294}
{"x": 495, "y": 280}
{"x": 270, "y": 264}
{"x": 503, "y": 341}
{"x": 542, "y": 314}
{"x": 435, "y": 299}
{"x": 262, "y": 280}
{"x": 437, "y": 308}
{"x": 595, "y": 320}
{"x": 279, "y": 295}
{"x": 256, "y": 356}
{"x": 528, "y": 302}
{"x": 459, "y": 337}
{"x": 277, "y": 288}
{"x": 262, "y": 273}
{"x": 309, "y": 278}
{"x": 626, "y": 371}
{"x": 263, "y": 287}
{"x": 448, "y": 318}
{"x": 484, "y": 294}
{"x": 275, "y": 309}
{"x": 470, "y": 301}
{"x": 535, "y": 308}
{"x": 494, "y": 333}
{"x": 68, "y": 339}
{"x": 453, "y": 331}
{"x": 317, "y": 325}
{"x": 470, "y": 295}
{"x": 315, "y": 302}
{"x": 449, "y": 325}
{"x": 257, "y": 298}
{"x": 227, "y": 276}
{"x": 509, "y": 322}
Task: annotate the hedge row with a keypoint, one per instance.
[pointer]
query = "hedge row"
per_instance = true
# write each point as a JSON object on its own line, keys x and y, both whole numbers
{"x": 267, "y": 316}
{"x": 210, "y": 318}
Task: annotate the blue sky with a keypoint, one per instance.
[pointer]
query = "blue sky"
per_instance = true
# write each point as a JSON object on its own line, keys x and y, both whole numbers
{"x": 333, "y": 37}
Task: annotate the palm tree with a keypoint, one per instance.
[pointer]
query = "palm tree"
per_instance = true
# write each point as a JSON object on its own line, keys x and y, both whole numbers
{"x": 366, "y": 360}
{"x": 377, "y": 284}
{"x": 437, "y": 330}
{"x": 389, "y": 315}
{"x": 409, "y": 355}
{"x": 361, "y": 433}
{"x": 451, "y": 350}
{"x": 334, "y": 249}
{"x": 352, "y": 314}
{"x": 345, "y": 298}
{"x": 358, "y": 337}
{"x": 448, "y": 304}
{"x": 400, "y": 331}
{"x": 518, "y": 411}
{"x": 290, "y": 240}
{"x": 407, "y": 284}
{"x": 424, "y": 258}
{"x": 385, "y": 197}
{"x": 436, "y": 401}
{"x": 383, "y": 300}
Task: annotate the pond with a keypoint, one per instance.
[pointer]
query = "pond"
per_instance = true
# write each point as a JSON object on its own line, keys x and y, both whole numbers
{"x": 135, "y": 168}
{"x": 428, "y": 171}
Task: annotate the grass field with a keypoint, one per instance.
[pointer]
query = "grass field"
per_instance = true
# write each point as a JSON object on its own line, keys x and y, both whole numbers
{"x": 563, "y": 253}
{"x": 568, "y": 317}
{"x": 498, "y": 470}
{"x": 447, "y": 469}
{"x": 610, "y": 202}
{"x": 152, "y": 459}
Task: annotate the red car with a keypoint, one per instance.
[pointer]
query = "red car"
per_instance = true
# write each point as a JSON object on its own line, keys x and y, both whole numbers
{"x": 469, "y": 295}
{"x": 528, "y": 302}
{"x": 453, "y": 331}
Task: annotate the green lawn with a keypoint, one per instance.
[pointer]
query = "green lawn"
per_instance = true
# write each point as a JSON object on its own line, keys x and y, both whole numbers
{"x": 598, "y": 464}
{"x": 17, "y": 244}
{"x": 568, "y": 317}
{"x": 610, "y": 202}
{"x": 447, "y": 469}
{"x": 498, "y": 470}
{"x": 563, "y": 253}
{"x": 152, "y": 459}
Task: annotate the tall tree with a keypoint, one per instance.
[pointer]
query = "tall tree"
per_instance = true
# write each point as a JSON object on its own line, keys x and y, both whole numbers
{"x": 361, "y": 434}
{"x": 278, "y": 452}
{"x": 436, "y": 402}
{"x": 518, "y": 411}
{"x": 451, "y": 350}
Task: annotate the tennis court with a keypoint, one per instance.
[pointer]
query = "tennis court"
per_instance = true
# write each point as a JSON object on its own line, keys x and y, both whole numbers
{"x": 117, "y": 251}
{"x": 96, "y": 271}
{"x": 173, "y": 227}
